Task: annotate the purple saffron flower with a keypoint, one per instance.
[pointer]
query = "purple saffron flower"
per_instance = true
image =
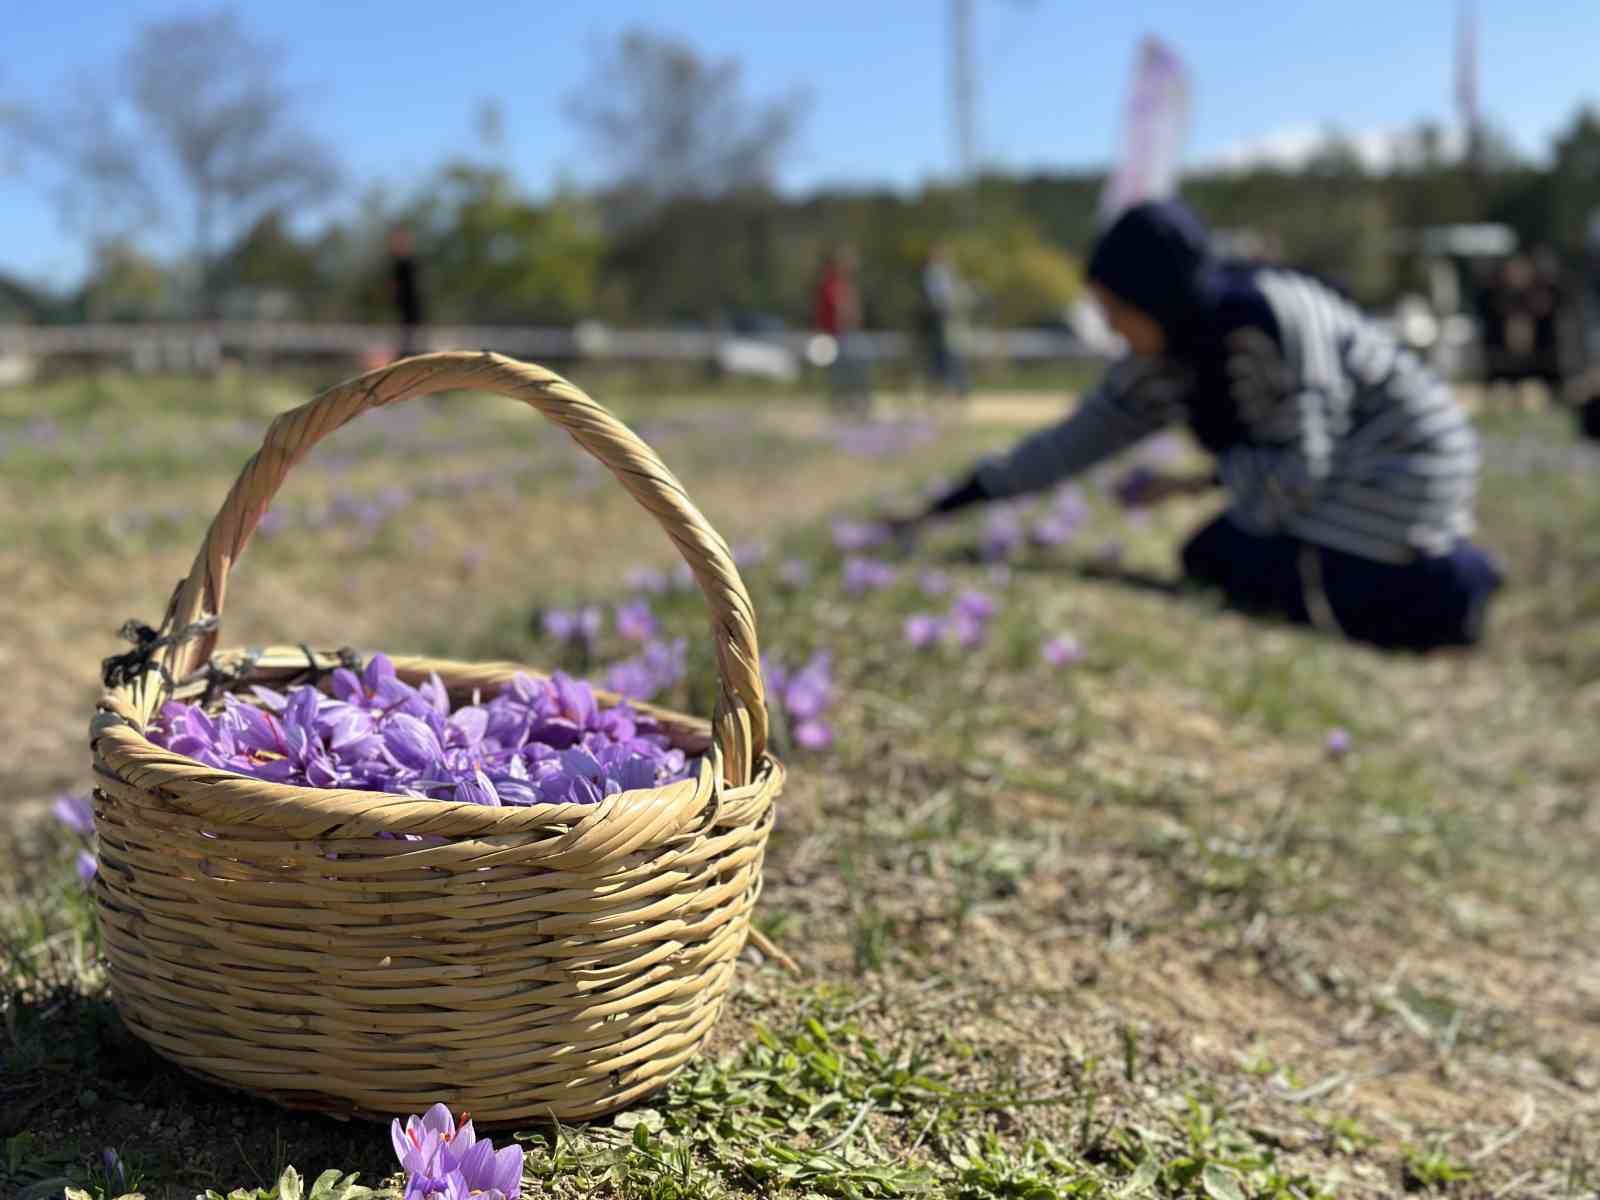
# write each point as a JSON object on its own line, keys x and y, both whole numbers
{"x": 111, "y": 1164}
{"x": 808, "y": 692}
{"x": 1003, "y": 535}
{"x": 866, "y": 574}
{"x": 922, "y": 630}
{"x": 581, "y": 625}
{"x": 853, "y": 537}
{"x": 412, "y": 743}
{"x": 933, "y": 583}
{"x": 487, "y": 1174}
{"x": 658, "y": 667}
{"x": 1053, "y": 530}
{"x": 1338, "y": 742}
{"x": 88, "y": 866}
{"x": 477, "y": 790}
{"x": 1062, "y": 651}
{"x": 975, "y": 605}
{"x": 1070, "y": 506}
{"x": 635, "y": 621}
{"x": 969, "y": 631}
{"x": 75, "y": 813}
{"x": 813, "y": 735}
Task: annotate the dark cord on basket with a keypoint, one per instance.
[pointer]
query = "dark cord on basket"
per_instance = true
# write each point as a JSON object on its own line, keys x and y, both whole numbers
{"x": 125, "y": 668}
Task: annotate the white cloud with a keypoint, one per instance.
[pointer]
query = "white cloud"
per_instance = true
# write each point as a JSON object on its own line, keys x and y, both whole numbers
{"x": 1293, "y": 146}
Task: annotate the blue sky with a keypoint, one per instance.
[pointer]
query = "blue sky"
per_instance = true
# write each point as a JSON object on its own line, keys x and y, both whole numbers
{"x": 394, "y": 88}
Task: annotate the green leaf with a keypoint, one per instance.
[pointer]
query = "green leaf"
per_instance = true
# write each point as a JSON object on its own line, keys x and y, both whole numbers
{"x": 290, "y": 1186}
{"x": 73, "y": 1193}
{"x": 1142, "y": 1178}
{"x": 1219, "y": 1183}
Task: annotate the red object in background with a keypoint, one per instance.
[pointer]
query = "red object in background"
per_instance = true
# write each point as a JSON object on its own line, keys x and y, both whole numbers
{"x": 834, "y": 309}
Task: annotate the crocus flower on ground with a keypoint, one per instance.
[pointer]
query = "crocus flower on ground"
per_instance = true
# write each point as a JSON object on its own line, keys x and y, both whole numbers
{"x": 1052, "y": 530}
{"x": 88, "y": 865}
{"x": 75, "y": 813}
{"x": 1062, "y": 651}
{"x": 1338, "y": 742}
{"x": 581, "y": 625}
{"x": 976, "y": 605}
{"x": 921, "y": 630}
{"x": 852, "y": 537}
{"x": 657, "y": 667}
{"x": 866, "y": 575}
{"x": 813, "y": 735}
{"x": 804, "y": 696}
{"x": 1003, "y": 535}
{"x": 378, "y": 733}
{"x": 444, "y": 1161}
{"x": 635, "y": 621}
{"x": 968, "y": 631}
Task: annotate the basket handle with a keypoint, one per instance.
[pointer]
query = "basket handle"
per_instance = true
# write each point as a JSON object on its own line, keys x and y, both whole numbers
{"x": 740, "y": 719}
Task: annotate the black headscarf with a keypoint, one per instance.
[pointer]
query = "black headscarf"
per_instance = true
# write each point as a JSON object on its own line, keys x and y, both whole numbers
{"x": 1156, "y": 256}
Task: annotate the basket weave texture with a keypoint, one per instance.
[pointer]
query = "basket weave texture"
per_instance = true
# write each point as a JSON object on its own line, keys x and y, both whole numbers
{"x": 522, "y": 963}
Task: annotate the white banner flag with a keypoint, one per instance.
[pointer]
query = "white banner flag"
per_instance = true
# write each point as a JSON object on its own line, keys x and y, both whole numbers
{"x": 1156, "y": 120}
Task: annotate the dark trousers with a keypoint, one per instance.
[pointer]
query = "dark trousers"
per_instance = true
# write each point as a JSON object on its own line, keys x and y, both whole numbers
{"x": 1430, "y": 602}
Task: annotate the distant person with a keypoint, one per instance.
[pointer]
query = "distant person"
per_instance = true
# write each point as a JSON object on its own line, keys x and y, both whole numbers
{"x": 945, "y": 301}
{"x": 1349, "y": 470}
{"x": 836, "y": 311}
{"x": 1522, "y": 313}
{"x": 407, "y": 292}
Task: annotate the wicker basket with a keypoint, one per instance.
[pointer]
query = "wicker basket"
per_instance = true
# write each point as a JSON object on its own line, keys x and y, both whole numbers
{"x": 526, "y": 963}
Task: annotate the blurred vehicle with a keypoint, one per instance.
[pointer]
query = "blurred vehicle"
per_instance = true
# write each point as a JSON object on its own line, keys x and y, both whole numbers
{"x": 757, "y": 344}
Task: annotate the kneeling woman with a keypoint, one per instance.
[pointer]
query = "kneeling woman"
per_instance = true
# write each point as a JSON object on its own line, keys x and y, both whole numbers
{"x": 1349, "y": 468}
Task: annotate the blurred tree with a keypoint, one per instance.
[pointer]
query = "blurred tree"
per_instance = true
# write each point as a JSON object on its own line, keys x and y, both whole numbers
{"x": 1021, "y": 279}
{"x": 670, "y": 124}
{"x": 207, "y": 95}
{"x": 690, "y": 163}
{"x": 1574, "y": 179}
{"x": 124, "y": 285}
{"x": 193, "y": 117}
{"x": 489, "y": 253}
{"x": 272, "y": 272}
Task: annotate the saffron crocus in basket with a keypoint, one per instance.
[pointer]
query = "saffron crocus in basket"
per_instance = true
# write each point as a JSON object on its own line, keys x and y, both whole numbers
{"x": 444, "y": 1161}
{"x": 537, "y": 741}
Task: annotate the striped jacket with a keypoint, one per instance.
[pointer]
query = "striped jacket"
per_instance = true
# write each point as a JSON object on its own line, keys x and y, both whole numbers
{"x": 1344, "y": 439}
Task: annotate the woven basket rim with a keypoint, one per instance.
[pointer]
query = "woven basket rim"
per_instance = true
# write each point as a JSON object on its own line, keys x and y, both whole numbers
{"x": 116, "y": 733}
